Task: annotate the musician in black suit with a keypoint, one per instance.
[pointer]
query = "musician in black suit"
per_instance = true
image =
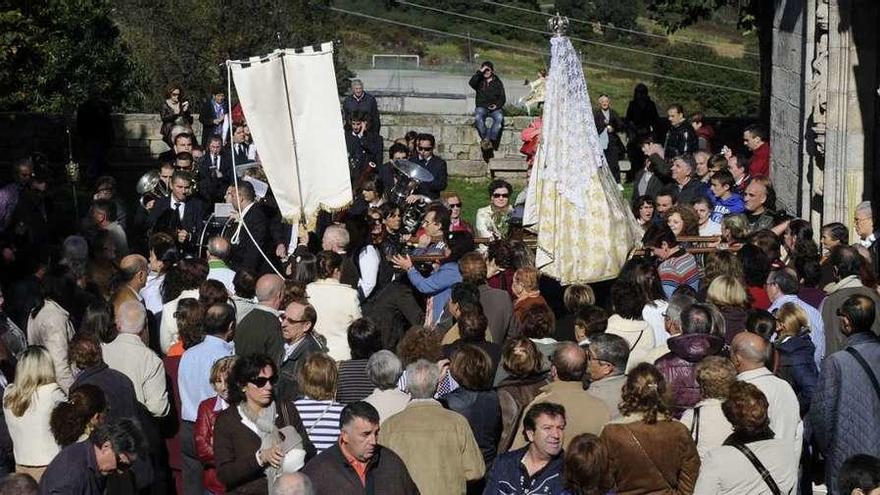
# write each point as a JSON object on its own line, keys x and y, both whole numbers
{"x": 609, "y": 122}
{"x": 364, "y": 148}
{"x": 215, "y": 171}
{"x": 434, "y": 164}
{"x": 212, "y": 115}
{"x": 245, "y": 241}
{"x": 241, "y": 149}
{"x": 180, "y": 215}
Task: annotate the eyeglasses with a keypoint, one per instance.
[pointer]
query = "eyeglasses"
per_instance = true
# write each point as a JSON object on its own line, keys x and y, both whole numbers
{"x": 422, "y": 148}
{"x": 291, "y": 320}
{"x": 500, "y": 195}
{"x": 261, "y": 381}
{"x": 455, "y": 205}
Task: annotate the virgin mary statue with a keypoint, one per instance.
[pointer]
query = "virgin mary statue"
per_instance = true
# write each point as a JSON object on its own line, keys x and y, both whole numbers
{"x": 585, "y": 230}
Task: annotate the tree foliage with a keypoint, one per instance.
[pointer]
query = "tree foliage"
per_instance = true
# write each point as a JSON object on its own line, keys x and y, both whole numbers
{"x": 55, "y": 54}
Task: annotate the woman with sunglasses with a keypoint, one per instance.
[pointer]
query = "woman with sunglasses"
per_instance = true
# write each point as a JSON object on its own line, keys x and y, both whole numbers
{"x": 493, "y": 219}
{"x": 247, "y": 441}
{"x": 456, "y": 224}
{"x": 175, "y": 111}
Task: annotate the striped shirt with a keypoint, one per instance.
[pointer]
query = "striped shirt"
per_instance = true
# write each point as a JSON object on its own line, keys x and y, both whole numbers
{"x": 321, "y": 420}
{"x": 679, "y": 269}
{"x": 354, "y": 384}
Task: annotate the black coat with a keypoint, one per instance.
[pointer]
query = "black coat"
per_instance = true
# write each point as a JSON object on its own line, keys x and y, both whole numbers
{"x": 259, "y": 333}
{"x": 483, "y": 411}
{"x": 798, "y": 368}
{"x": 206, "y": 117}
{"x": 211, "y": 186}
{"x": 287, "y": 389}
{"x": 614, "y": 142}
{"x": 163, "y": 218}
{"x": 121, "y": 397}
{"x": 245, "y": 254}
{"x": 491, "y": 93}
{"x": 367, "y": 104}
{"x": 331, "y": 474}
{"x": 680, "y": 139}
{"x": 437, "y": 167}
{"x": 362, "y": 150}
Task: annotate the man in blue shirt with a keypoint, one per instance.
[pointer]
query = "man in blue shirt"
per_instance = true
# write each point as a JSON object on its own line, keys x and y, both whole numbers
{"x": 194, "y": 384}
{"x": 725, "y": 200}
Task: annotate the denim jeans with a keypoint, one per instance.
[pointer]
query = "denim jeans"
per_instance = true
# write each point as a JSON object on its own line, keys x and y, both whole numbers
{"x": 480, "y": 122}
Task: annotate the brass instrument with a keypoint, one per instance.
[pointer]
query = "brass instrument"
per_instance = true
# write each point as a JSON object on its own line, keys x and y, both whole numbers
{"x": 408, "y": 176}
{"x": 151, "y": 187}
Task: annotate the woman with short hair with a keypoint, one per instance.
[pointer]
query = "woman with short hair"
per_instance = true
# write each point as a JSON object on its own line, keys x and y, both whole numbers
{"x": 27, "y": 407}
{"x": 796, "y": 351}
{"x": 524, "y": 365}
{"x": 206, "y": 418}
{"x": 729, "y": 295}
{"x": 493, "y": 220}
{"x": 317, "y": 379}
{"x": 648, "y": 451}
{"x": 706, "y": 422}
{"x": 585, "y": 466}
{"x": 364, "y": 339}
{"x": 728, "y": 470}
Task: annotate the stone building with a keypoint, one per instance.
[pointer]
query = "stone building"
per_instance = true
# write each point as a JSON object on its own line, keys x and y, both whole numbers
{"x": 825, "y": 107}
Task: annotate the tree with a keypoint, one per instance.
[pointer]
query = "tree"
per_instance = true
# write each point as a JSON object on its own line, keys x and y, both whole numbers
{"x": 57, "y": 54}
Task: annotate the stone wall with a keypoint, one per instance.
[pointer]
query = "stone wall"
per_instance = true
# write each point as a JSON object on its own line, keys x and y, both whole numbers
{"x": 137, "y": 138}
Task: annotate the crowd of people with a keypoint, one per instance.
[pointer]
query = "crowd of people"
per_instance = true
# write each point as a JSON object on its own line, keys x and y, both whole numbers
{"x": 154, "y": 353}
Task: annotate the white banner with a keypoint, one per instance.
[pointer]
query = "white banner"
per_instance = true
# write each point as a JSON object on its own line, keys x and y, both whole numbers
{"x": 315, "y": 147}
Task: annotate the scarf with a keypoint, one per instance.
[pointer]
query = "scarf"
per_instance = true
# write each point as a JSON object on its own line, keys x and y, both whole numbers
{"x": 848, "y": 282}
{"x": 266, "y": 430}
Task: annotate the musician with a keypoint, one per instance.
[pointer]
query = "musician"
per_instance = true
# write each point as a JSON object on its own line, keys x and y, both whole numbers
{"x": 386, "y": 174}
{"x": 242, "y": 151}
{"x": 435, "y": 225}
{"x": 434, "y": 164}
{"x": 215, "y": 171}
{"x": 180, "y": 215}
{"x": 184, "y": 161}
{"x": 251, "y": 232}
{"x": 364, "y": 148}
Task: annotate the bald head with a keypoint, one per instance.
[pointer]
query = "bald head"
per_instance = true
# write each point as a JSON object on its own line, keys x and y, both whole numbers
{"x": 131, "y": 317}
{"x": 132, "y": 266}
{"x": 749, "y": 351}
{"x": 269, "y": 290}
{"x": 294, "y": 484}
{"x": 218, "y": 247}
{"x": 569, "y": 362}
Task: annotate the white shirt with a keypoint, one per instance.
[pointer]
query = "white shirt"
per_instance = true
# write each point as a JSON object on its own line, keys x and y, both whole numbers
{"x": 784, "y": 410}
{"x": 714, "y": 427}
{"x": 180, "y": 209}
{"x": 710, "y": 229}
{"x": 152, "y": 292}
{"x": 368, "y": 261}
{"x": 653, "y": 315}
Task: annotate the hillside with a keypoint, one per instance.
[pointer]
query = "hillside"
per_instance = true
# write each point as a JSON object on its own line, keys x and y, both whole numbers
{"x": 709, "y": 67}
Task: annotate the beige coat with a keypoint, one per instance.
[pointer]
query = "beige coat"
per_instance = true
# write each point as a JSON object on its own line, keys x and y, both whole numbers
{"x": 584, "y": 413}
{"x": 437, "y": 446}
{"x": 128, "y": 355}
{"x": 32, "y": 440}
{"x": 637, "y": 333}
{"x": 337, "y": 306}
{"x": 51, "y": 328}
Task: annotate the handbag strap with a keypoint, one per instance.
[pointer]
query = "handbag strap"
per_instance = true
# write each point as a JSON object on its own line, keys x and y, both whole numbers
{"x": 864, "y": 364}
{"x": 695, "y": 426}
{"x": 765, "y": 475}
{"x": 637, "y": 340}
{"x": 650, "y": 460}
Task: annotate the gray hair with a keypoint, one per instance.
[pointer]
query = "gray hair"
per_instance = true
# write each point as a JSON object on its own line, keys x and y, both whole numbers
{"x": 384, "y": 369}
{"x": 293, "y": 484}
{"x": 75, "y": 254}
{"x": 865, "y": 208}
{"x": 338, "y": 235}
{"x": 219, "y": 247}
{"x": 356, "y": 81}
{"x": 131, "y": 317}
{"x": 696, "y": 318}
{"x": 786, "y": 280}
{"x": 611, "y": 348}
{"x": 677, "y": 304}
{"x": 422, "y": 378}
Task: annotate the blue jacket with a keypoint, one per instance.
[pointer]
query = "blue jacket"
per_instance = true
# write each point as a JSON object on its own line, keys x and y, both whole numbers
{"x": 845, "y": 407}
{"x": 509, "y": 477}
{"x": 796, "y": 366}
{"x": 438, "y": 285}
{"x": 732, "y": 205}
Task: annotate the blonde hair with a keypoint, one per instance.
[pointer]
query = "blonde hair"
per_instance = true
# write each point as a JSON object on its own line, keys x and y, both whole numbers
{"x": 221, "y": 368}
{"x": 317, "y": 377}
{"x": 727, "y": 291}
{"x": 791, "y": 319}
{"x": 34, "y": 369}
{"x": 578, "y": 296}
{"x": 714, "y": 375}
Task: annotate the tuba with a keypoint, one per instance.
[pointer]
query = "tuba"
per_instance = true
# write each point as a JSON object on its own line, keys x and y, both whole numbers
{"x": 150, "y": 187}
{"x": 407, "y": 177}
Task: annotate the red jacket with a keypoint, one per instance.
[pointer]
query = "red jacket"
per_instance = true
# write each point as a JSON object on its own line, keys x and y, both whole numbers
{"x": 760, "y": 163}
{"x": 204, "y": 440}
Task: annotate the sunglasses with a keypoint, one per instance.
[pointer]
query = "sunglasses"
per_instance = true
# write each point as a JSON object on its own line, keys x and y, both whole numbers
{"x": 500, "y": 195}
{"x": 291, "y": 320}
{"x": 422, "y": 148}
{"x": 455, "y": 205}
{"x": 261, "y": 381}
